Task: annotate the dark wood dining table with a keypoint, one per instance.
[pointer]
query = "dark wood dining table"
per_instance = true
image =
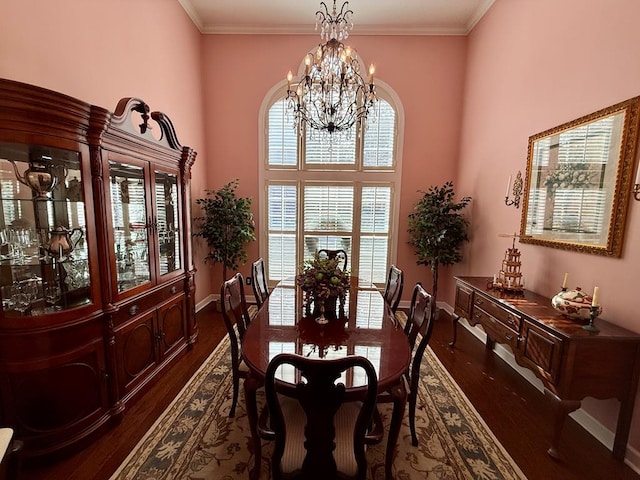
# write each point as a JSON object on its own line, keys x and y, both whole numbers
{"x": 366, "y": 327}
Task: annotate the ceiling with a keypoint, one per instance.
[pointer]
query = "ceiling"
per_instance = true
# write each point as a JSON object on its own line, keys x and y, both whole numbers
{"x": 370, "y": 17}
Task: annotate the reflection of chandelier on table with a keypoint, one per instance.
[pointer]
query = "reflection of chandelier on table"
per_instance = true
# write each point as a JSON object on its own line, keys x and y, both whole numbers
{"x": 331, "y": 96}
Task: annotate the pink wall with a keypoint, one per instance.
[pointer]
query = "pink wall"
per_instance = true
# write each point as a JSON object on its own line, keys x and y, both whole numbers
{"x": 532, "y": 65}
{"x": 529, "y": 65}
{"x": 100, "y": 52}
{"x": 427, "y": 73}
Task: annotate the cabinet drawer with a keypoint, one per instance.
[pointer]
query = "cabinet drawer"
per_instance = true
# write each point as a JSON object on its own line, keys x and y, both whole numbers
{"x": 497, "y": 311}
{"x": 496, "y": 330}
{"x": 541, "y": 351}
{"x": 168, "y": 291}
{"x": 151, "y": 300}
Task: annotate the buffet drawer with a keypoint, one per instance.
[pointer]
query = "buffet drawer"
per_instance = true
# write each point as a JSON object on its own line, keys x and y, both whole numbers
{"x": 497, "y": 311}
{"x": 496, "y": 330}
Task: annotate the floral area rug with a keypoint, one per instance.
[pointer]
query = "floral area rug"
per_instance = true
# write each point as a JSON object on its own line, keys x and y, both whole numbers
{"x": 194, "y": 439}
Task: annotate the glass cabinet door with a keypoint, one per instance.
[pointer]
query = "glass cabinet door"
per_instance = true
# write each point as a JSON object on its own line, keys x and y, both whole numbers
{"x": 130, "y": 225}
{"x": 44, "y": 258}
{"x": 168, "y": 223}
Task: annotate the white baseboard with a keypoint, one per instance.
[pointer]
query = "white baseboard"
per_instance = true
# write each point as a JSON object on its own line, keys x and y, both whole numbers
{"x": 590, "y": 424}
{"x": 206, "y": 301}
{"x": 214, "y": 297}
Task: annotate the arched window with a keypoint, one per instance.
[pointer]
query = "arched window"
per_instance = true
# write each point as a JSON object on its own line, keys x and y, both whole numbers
{"x": 340, "y": 195}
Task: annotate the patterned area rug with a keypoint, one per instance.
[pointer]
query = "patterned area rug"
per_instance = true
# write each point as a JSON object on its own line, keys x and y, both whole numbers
{"x": 195, "y": 439}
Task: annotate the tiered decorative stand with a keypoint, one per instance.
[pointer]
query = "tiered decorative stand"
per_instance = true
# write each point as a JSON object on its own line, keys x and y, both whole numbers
{"x": 510, "y": 277}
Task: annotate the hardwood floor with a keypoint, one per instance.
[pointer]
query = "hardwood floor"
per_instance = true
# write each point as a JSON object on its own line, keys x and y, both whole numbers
{"x": 516, "y": 412}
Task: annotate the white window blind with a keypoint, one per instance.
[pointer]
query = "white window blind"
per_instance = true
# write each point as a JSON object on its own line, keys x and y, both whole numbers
{"x": 335, "y": 195}
{"x": 283, "y": 139}
{"x": 379, "y": 138}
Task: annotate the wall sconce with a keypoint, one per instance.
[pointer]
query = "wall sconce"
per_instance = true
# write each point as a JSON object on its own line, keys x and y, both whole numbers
{"x": 517, "y": 191}
{"x": 636, "y": 186}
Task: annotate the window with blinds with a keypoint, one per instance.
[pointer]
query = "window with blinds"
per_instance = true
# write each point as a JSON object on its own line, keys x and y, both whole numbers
{"x": 338, "y": 195}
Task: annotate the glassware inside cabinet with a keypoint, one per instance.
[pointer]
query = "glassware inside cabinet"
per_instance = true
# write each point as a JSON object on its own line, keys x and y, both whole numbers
{"x": 42, "y": 229}
{"x": 130, "y": 225}
{"x": 168, "y": 223}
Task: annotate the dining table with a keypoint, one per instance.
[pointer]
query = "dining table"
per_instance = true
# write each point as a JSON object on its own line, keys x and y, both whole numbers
{"x": 364, "y": 326}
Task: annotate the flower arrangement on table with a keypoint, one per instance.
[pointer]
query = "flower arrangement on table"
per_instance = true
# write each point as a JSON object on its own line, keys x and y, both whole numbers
{"x": 321, "y": 279}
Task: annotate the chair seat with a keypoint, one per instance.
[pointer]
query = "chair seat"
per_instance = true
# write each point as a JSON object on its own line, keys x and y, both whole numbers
{"x": 294, "y": 451}
{"x": 401, "y": 318}
{"x": 6, "y": 434}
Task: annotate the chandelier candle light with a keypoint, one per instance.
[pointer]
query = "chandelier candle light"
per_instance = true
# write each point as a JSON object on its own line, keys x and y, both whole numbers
{"x": 331, "y": 96}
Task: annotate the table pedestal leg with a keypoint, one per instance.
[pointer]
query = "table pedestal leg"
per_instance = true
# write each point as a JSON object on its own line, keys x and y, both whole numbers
{"x": 251, "y": 385}
{"x": 561, "y": 408}
{"x": 399, "y": 395}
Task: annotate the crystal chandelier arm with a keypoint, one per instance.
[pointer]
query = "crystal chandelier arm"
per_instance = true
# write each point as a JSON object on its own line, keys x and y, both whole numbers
{"x": 332, "y": 95}
{"x": 334, "y": 25}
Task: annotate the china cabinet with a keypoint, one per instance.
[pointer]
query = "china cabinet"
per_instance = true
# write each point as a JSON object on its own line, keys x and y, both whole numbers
{"x": 96, "y": 276}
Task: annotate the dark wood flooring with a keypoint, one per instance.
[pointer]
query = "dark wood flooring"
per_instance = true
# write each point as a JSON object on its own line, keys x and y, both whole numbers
{"x": 516, "y": 412}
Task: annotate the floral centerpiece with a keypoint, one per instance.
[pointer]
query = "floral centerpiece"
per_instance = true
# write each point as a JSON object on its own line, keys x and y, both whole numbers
{"x": 323, "y": 283}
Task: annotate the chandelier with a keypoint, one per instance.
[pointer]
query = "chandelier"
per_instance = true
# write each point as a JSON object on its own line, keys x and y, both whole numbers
{"x": 331, "y": 96}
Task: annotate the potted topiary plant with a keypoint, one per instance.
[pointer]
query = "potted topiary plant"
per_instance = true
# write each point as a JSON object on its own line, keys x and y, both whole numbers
{"x": 227, "y": 225}
{"x": 437, "y": 230}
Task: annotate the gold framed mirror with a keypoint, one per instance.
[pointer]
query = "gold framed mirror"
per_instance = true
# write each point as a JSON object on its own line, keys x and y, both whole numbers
{"x": 578, "y": 181}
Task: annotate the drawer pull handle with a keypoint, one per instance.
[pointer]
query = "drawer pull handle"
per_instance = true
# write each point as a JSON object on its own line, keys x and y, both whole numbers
{"x": 479, "y": 302}
{"x": 477, "y": 315}
{"x": 508, "y": 337}
{"x": 133, "y": 310}
{"x": 511, "y": 321}
{"x": 173, "y": 290}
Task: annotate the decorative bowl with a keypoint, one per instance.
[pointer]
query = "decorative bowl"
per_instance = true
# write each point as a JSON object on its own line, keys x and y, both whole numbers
{"x": 574, "y": 304}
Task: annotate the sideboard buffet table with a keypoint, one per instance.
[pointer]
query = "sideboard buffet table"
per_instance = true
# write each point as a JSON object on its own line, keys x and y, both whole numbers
{"x": 573, "y": 363}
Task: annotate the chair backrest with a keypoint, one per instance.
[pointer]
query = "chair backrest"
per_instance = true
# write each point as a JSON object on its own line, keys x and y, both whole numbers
{"x": 340, "y": 255}
{"x": 260, "y": 288}
{"x": 419, "y": 321}
{"x": 321, "y": 404}
{"x": 393, "y": 288}
{"x": 234, "y": 307}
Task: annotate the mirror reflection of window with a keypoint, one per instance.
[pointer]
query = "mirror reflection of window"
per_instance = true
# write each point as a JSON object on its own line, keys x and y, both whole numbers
{"x": 577, "y": 183}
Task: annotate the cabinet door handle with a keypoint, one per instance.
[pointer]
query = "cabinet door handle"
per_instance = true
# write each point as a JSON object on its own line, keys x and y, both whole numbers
{"x": 133, "y": 309}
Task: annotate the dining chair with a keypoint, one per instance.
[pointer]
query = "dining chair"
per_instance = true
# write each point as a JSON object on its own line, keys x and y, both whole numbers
{"x": 236, "y": 318}
{"x": 320, "y": 432}
{"x": 340, "y": 255}
{"x": 260, "y": 288}
{"x": 10, "y": 452}
{"x": 393, "y": 288}
{"x": 419, "y": 322}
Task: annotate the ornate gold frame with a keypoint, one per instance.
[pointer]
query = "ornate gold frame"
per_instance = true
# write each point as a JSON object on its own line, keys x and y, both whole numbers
{"x": 620, "y": 199}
